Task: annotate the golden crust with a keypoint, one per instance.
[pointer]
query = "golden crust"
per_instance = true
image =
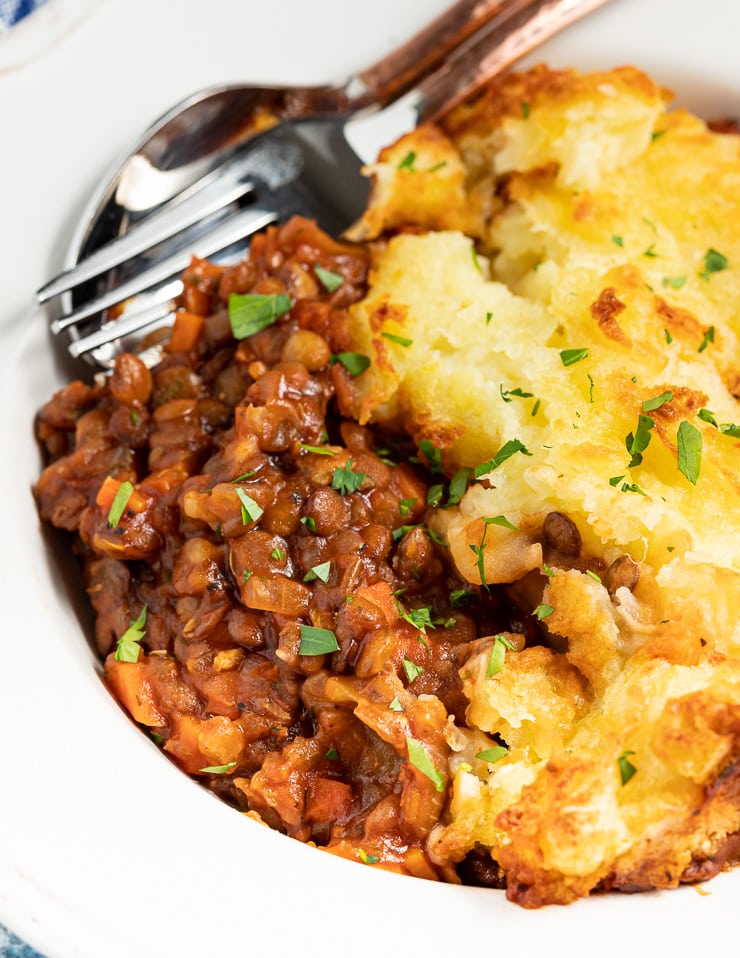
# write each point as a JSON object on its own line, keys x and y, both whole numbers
{"x": 573, "y": 290}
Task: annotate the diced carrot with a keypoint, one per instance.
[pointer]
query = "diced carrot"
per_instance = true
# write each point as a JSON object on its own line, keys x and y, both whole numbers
{"x": 107, "y": 493}
{"x": 186, "y": 332}
{"x": 131, "y": 686}
{"x": 378, "y": 596}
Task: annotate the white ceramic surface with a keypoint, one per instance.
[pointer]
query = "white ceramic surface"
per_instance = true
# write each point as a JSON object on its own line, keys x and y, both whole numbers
{"x": 106, "y": 850}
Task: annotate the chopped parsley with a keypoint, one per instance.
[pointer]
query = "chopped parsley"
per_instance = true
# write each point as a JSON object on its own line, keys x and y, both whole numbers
{"x": 317, "y": 450}
{"x": 714, "y": 262}
{"x": 407, "y": 163}
{"x": 405, "y": 506}
{"x": 435, "y": 494}
{"x": 508, "y": 394}
{"x": 498, "y": 654}
{"x": 251, "y": 511}
{"x": 421, "y": 618}
{"x": 411, "y": 669}
{"x": 278, "y": 554}
{"x": 367, "y": 859}
{"x": 657, "y": 401}
{"x": 569, "y": 357}
{"x": 345, "y": 481}
{"x": 689, "y": 442}
{"x": 395, "y": 705}
{"x": 320, "y": 572}
{"x": 638, "y": 441}
{"x": 332, "y": 754}
{"x": 315, "y": 641}
{"x": 354, "y": 363}
{"x": 727, "y": 428}
{"x": 419, "y": 758}
{"x": 618, "y": 240}
{"x": 708, "y": 338}
{"x": 492, "y": 755}
{"x": 542, "y": 611}
{"x": 250, "y": 313}
{"x": 400, "y": 340}
{"x": 509, "y": 449}
{"x": 127, "y": 647}
{"x": 120, "y": 501}
{"x": 626, "y": 768}
{"x": 675, "y": 282}
{"x": 432, "y": 455}
{"x": 244, "y": 475}
{"x": 458, "y": 485}
{"x": 218, "y": 769}
{"x": 328, "y": 279}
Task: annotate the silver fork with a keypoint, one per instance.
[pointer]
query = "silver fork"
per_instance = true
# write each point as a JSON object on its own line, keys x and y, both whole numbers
{"x": 207, "y": 183}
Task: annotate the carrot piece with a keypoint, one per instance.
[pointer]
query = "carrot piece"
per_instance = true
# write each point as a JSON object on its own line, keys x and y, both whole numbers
{"x": 186, "y": 332}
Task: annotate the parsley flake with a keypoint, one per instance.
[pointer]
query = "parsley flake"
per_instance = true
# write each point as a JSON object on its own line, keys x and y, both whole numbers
{"x": 714, "y": 262}
{"x": 120, "y": 501}
{"x": 127, "y": 647}
{"x": 411, "y": 670}
{"x": 251, "y": 511}
{"x": 498, "y": 654}
{"x": 405, "y": 506}
{"x": 395, "y": 705}
{"x": 638, "y": 441}
{"x": 218, "y": 769}
{"x": 367, "y": 859}
{"x": 492, "y": 755}
{"x": 626, "y": 768}
{"x": 407, "y": 163}
{"x": 569, "y": 357}
{"x": 689, "y": 442}
{"x": 354, "y": 363}
{"x": 400, "y": 340}
{"x": 542, "y": 611}
{"x": 315, "y": 641}
{"x": 250, "y": 313}
{"x": 708, "y": 338}
{"x": 320, "y": 572}
{"x": 509, "y": 448}
{"x": 419, "y": 758}
{"x": 657, "y": 401}
{"x": 329, "y": 280}
{"x": 345, "y": 481}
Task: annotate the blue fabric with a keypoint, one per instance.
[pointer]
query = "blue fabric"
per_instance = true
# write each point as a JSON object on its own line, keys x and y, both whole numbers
{"x": 12, "y": 947}
{"x": 11, "y": 11}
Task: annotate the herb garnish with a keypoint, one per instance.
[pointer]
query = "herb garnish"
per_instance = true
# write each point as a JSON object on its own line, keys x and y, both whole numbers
{"x": 492, "y": 755}
{"x": 498, "y": 654}
{"x": 251, "y": 511}
{"x": 708, "y": 338}
{"x": 419, "y": 758}
{"x": 320, "y": 571}
{"x": 542, "y": 611}
{"x": 218, "y": 769}
{"x": 368, "y": 859}
{"x": 626, "y": 768}
{"x": 727, "y": 428}
{"x": 400, "y": 340}
{"x": 638, "y": 441}
{"x": 405, "y": 506}
{"x": 127, "y": 647}
{"x": 329, "y": 279}
{"x": 315, "y": 641}
{"x": 354, "y": 363}
{"x": 509, "y": 448}
{"x": 407, "y": 163}
{"x": 657, "y": 401}
{"x": 689, "y": 442}
{"x": 120, "y": 501}
{"x": 569, "y": 357}
{"x": 250, "y": 313}
{"x": 345, "y": 481}
{"x": 411, "y": 670}
{"x": 714, "y": 262}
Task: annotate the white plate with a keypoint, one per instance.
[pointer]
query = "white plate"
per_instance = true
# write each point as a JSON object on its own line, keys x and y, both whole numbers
{"x": 105, "y": 848}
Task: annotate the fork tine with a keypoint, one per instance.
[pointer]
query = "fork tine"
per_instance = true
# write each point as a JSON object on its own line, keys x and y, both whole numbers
{"x": 238, "y": 227}
{"x": 125, "y": 325}
{"x": 164, "y": 225}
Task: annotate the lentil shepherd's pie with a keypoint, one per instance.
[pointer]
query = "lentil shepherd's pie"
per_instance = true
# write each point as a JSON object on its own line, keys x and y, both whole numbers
{"x": 423, "y": 546}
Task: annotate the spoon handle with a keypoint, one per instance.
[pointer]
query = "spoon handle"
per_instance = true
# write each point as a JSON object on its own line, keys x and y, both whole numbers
{"x": 402, "y": 68}
{"x": 523, "y": 27}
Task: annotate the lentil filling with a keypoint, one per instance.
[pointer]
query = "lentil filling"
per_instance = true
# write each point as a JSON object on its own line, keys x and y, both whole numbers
{"x": 270, "y": 603}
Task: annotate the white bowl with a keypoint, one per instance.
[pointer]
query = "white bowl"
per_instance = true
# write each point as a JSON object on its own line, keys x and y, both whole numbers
{"x": 105, "y": 848}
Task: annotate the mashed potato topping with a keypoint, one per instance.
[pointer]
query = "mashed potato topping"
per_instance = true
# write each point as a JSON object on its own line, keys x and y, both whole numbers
{"x": 561, "y": 323}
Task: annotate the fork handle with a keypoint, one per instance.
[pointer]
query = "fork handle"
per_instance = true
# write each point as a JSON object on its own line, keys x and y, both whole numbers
{"x": 402, "y": 68}
{"x": 524, "y": 26}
